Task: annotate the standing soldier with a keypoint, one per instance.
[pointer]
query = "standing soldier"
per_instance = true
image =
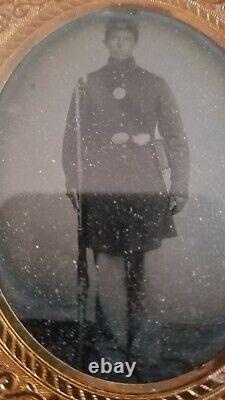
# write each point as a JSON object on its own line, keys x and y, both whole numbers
{"x": 127, "y": 210}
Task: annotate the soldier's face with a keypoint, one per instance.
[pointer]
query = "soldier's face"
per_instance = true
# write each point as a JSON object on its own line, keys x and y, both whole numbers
{"x": 121, "y": 44}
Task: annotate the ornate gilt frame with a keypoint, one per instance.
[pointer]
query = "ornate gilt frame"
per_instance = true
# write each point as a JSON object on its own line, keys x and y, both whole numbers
{"x": 26, "y": 369}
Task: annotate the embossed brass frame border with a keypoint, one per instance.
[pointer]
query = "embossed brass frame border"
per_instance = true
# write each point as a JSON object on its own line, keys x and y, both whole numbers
{"x": 26, "y": 369}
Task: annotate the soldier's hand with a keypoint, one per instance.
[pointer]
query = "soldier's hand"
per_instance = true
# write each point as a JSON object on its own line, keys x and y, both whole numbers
{"x": 72, "y": 194}
{"x": 177, "y": 203}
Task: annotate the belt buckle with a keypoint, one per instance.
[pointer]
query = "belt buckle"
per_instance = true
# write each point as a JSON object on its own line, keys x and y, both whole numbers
{"x": 141, "y": 139}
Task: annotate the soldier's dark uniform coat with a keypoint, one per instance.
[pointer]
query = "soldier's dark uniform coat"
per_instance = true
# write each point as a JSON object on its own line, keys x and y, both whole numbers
{"x": 126, "y": 205}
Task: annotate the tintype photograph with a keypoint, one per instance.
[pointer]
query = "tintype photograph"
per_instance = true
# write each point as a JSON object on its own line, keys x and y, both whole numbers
{"x": 112, "y": 214}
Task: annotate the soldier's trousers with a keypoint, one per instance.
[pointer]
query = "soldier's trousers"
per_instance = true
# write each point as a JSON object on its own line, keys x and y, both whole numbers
{"x": 122, "y": 313}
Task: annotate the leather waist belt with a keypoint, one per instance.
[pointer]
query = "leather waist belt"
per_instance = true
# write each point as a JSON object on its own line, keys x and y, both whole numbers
{"x": 140, "y": 139}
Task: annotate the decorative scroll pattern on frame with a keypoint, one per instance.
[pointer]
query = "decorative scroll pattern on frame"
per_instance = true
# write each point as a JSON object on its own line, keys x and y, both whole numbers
{"x": 21, "y": 18}
{"x": 15, "y": 12}
{"x": 23, "y": 374}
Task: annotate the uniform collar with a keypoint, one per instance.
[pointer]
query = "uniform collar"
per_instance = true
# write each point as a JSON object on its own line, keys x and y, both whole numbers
{"x": 121, "y": 66}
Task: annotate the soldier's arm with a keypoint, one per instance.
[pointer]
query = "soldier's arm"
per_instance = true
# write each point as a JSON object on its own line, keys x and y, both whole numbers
{"x": 171, "y": 129}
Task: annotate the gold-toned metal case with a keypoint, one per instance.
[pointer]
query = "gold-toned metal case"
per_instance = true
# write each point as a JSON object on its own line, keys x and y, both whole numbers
{"x": 26, "y": 369}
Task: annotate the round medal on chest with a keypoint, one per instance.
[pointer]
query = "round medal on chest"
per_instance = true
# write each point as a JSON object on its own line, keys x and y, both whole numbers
{"x": 119, "y": 93}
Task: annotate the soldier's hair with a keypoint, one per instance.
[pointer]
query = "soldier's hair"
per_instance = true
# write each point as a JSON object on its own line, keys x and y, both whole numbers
{"x": 121, "y": 23}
